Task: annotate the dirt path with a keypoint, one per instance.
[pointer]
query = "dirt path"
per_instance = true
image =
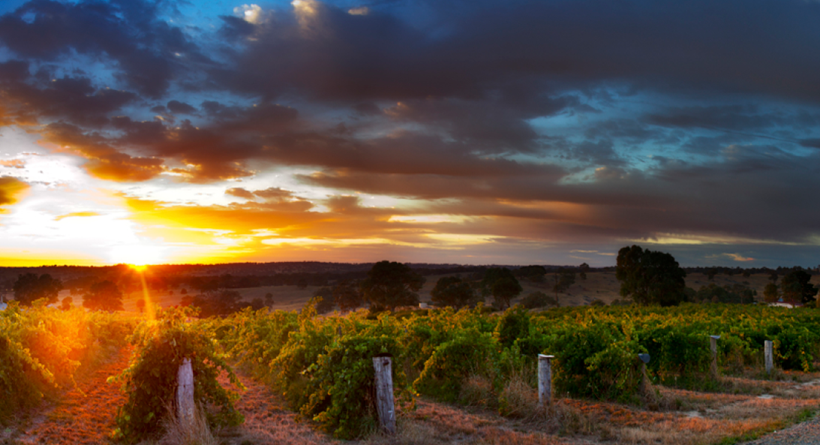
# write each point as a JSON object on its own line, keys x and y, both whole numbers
{"x": 806, "y": 433}
{"x": 267, "y": 419}
{"x": 84, "y": 415}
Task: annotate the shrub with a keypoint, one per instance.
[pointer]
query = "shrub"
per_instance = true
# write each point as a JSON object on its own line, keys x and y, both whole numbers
{"x": 151, "y": 379}
{"x": 536, "y": 300}
{"x": 452, "y": 361}
{"x": 514, "y": 324}
{"x": 518, "y": 399}
{"x": 42, "y": 348}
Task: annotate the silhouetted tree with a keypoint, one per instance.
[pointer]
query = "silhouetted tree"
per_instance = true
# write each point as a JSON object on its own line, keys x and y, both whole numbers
{"x": 347, "y": 296}
{"x": 30, "y": 287}
{"x": 563, "y": 279}
{"x": 66, "y": 305}
{"x": 796, "y": 288}
{"x": 217, "y": 303}
{"x": 502, "y": 285}
{"x": 583, "y": 268}
{"x": 771, "y": 293}
{"x": 390, "y": 284}
{"x": 453, "y": 291}
{"x": 104, "y": 296}
{"x": 536, "y": 300}
{"x": 326, "y": 304}
{"x": 531, "y": 273}
{"x": 650, "y": 277}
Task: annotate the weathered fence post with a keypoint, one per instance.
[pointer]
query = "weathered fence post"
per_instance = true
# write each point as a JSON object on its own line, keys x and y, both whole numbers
{"x": 644, "y": 360}
{"x": 544, "y": 379}
{"x": 185, "y": 393}
{"x": 339, "y": 330}
{"x": 713, "y": 346}
{"x": 768, "y": 356}
{"x": 384, "y": 393}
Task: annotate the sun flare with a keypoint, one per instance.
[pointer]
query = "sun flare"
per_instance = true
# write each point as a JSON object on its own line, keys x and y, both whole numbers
{"x": 137, "y": 255}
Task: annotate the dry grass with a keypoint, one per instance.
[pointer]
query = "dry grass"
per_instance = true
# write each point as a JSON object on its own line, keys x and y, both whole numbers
{"x": 518, "y": 399}
{"x": 196, "y": 432}
{"x": 477, "y": 390}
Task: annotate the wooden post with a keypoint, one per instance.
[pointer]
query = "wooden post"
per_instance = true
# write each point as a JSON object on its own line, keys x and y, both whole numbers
{"x": 642, "y": 386}
{"x": 768, "y": 356}
{"x": 339, "y": 330}
{"x": 544, "y": 379}
{"x": 185, "y": 392}
{"x": 713, "y": 346}
{"x": 384, "y": 393}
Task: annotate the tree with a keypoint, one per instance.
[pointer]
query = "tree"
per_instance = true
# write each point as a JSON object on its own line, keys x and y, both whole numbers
{"x": 66, "y": 303}
{"x": 502, "y": 285}
{"x": 564, "y": 278}
{"x": 531, "y": 273}
{"x": 217, "y": 303}
{"x": 536, "y": 300}
{"x": 30, "y": 287}
{"x": 773, "y": 277}
{"x": 584, "y": 268}
{"x": 103, "y": 296}
{"x": 140, "y": 305}
{"x": 268, "y": 299}
{"x": 504, "y": 290}
{"x": 325, "y": 304}
{"x": 796, "y": 287}
{"x": 347, "y": 296}
{"x": 453, "y": 291}
{"x": 650, "y": 277}
{"x": 390, "y": 284}
{"x": 771, "y": 293}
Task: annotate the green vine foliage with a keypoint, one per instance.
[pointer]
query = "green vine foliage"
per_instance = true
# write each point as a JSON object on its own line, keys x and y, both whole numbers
{"x": 151, "y": 379}
{"x": 42, "y": 349}
{"x": 323, "y": 364}
{"x": 468, "y": 352}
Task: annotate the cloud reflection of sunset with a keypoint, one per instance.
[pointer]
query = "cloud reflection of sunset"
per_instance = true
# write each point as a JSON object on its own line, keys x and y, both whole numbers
{"x": 490, "y": 132}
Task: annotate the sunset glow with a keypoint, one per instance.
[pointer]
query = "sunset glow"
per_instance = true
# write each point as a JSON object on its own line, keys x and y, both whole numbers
{"x": 491, "y": 133}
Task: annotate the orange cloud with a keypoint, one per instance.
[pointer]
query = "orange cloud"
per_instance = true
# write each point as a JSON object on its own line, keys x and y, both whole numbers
{"x": 76, "y": 214}
{"x": 10, "y": 191}
{"x": 13, "y": 163}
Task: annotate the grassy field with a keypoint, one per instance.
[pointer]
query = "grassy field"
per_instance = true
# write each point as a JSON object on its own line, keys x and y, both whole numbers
{"x": 598, "y": 285}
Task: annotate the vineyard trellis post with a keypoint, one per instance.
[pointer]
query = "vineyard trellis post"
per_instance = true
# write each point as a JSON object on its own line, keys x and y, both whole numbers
{"x": 544, "y": 379}
{"x": 642, "y": 386}
{"x": 768, "y": 356}
{"x": 185, "y": 392}
{"x": 384, "y": 393}
{"x": 713, "y": 346}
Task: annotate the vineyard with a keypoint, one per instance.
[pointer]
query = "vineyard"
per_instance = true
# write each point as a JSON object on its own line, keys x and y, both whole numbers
{"x": 473, "y": 366}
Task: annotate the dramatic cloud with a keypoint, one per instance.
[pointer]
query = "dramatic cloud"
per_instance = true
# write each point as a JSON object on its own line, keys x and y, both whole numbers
{"x": 511, "y": 132}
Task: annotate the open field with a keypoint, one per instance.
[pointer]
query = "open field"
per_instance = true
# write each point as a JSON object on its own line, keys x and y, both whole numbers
{"x": 601, "y": 285}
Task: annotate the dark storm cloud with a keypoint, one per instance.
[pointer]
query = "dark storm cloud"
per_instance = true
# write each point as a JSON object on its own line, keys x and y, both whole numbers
{"x": 70, "y": 98}
{"x": 726, "y": 117}
{"x": 178, "y": 107}
{"x": 681, "y": 45}
{"x": 125, "y": 31}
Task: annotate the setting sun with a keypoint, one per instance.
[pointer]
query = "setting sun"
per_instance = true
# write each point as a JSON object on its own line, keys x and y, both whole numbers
{"x": 137, "y": 255}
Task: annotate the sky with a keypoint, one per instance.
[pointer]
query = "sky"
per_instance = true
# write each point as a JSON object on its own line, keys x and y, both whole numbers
{"x": 438, "y": 131}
